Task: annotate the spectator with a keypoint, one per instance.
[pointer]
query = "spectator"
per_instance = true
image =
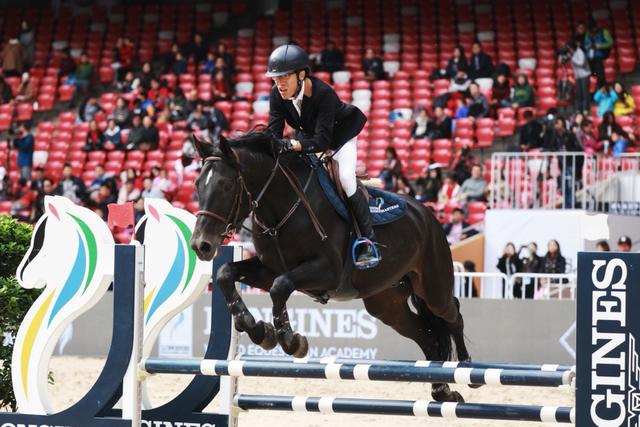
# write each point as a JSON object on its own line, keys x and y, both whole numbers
{"x": 6, "y": 94}
{"x": 178, "y": 106}
{"x": 67, "y": 67}
{"x": 624, "y": 244}
{"x": 217, "y": 122}
{"x": 478, "y": 103}
{"x": 106, "y": 196}
{"x": 222, "y": 52}
{"x": 457, "y": 62}
{"x": 480, "y": 64}
{"x": 99, "y": 177}
{"x": 428, "y": 185}
{"x": 462, "y": 111}
{"x": 197, "y": 49}
{"x": 509, "y": 263}
{"x": 208, "y": 64}
{"x": 587, "y": 139}
{"x": 440, "y": 126}
{"x": 95, "y": 137}
{"x": 522, "y": 93}
{"x": 598, "y": 43}
{"x": 606, "y": 99}
{"x": 37, "y": 178}
{"x": 28, "y": 41}
{"x": 151, "y": 191}
{"x": 150, "y": 136}
{"x": 83, "y": 74}
{"x": 220, "y": 66}
{"x": 456, "y": 229}
{"x": 89, "y": 109}
{"x": 562, "y": 140}
{"x": 179, "y": 65}
{"x": 603, "y": 246}
{"x": 146, "y": 75}
{"x": 372, "y": 65}
{"x": 6, "y": 190}
{"x": 26, "y": 91}
{"x": 607, "y": 129}
{"x": 531, "y": 263}
{"x": 113, "y": 136}
{"x": 25, "y": 198}
{"x": 582, "y": 74}
{"x": 468, "y": 286}
{"x": 221, "y": 88}
{"x": 135, "y": 133}
{"x": 24, "y": 143}
{"x": 138, "y": 209}
{"x": 12, "y": 58}
{"x": 198, "y": 121}
{"x": 132, "y": 175}
{"x": 449, "y": 190}
{"x": 500, "y": 92}
{"x": 553, "y": 262}
{"x": 530, "y": 134}
{"x": 462, "y": 163}
{"x": 71, "y": 186}
{"x": 121, "y": 114}
{"x": 579, "y": 34}
{"x": 128, "y": 192}
{"x": 392, "y": 170}
{"x": 625, "y": 105}
{"x": 48, "y": 189}
{"x": 619, "y": 144}
{"x": 187, "y": 161}
{"x": 419, "y": 129}
{"x": 474, "y": 187}
{"x": 331, "y": 59}
{"x": 124, "y": 52}
{"x": 158, "y": 94}
{"x": 128, "y": 84}
{"x": 459, "y": 83}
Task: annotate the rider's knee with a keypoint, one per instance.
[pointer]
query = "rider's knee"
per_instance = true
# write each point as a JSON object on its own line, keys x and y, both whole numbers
{"x": 281, "y": 289}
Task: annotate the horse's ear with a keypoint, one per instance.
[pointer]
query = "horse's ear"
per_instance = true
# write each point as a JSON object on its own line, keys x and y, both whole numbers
{"x": 203, "y": 146}
{"x": 226, "y": 149}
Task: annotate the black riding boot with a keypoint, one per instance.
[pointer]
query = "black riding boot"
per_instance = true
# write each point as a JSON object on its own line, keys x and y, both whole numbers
{"x": 365, "y": 253}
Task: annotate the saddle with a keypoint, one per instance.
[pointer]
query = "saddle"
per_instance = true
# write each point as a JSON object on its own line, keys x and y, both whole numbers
{"x": 385, "y": 207}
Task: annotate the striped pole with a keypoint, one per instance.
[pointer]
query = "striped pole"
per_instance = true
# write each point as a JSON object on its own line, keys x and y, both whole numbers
{"x": 419, "y": 408}
{"x": 360, "y": 372}
{"x": 410, "y": 363}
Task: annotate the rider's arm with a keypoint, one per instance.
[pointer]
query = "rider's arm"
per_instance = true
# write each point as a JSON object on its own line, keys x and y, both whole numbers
{"x": 327, "y": 102}
{"x": 276, "y": 114}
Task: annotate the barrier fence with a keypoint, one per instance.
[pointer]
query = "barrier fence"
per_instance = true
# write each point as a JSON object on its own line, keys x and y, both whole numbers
{"x": 544, "y": 286}
{"x": 566, "y": 180}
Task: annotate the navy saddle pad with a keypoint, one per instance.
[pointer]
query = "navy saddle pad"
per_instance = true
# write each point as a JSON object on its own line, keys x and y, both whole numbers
{"x": 385, "y": 207}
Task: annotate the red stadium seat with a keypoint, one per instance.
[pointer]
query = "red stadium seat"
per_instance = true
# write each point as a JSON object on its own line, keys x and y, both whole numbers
{"x": 66, "y": 92}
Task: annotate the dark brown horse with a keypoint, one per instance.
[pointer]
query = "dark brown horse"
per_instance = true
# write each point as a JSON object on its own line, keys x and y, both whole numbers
{"x": 411, "y": 290}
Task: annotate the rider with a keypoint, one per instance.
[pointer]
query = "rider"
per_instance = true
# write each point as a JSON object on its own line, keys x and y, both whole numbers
{"x": 321, "y": 122}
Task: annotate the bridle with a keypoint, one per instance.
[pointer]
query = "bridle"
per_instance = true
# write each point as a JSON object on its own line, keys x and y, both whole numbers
{"x": 234, "y": 216}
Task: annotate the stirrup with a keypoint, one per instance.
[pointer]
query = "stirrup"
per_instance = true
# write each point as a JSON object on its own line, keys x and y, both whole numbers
{"x": 369, "y": 262}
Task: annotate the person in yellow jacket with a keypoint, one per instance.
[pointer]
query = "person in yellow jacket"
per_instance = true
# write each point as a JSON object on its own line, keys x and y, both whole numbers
{"x": 625, "y": 104}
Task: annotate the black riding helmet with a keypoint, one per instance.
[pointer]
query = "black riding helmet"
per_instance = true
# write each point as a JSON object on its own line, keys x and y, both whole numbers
{"x": 285, "y": 59}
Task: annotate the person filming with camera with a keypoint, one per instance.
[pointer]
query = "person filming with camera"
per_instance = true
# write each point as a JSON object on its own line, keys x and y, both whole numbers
{"x": 581, "y": 71}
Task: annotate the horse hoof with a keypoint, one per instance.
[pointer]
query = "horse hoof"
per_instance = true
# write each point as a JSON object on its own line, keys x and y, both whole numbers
{"x": 442, "y": 393}
{"x": 303, "y": 346}
{"x": 264, "y": 335}
{"x": 475, "y": 385}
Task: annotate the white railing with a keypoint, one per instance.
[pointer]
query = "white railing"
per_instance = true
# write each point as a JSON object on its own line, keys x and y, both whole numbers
{"x": 541, "y": 180}
{"x": 518, "y": 286}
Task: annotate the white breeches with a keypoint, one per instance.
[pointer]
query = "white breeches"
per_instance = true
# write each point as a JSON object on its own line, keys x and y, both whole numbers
{"x": 347, "y": 158}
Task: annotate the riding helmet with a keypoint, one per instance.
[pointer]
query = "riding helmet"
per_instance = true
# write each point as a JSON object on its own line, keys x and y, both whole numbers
{"x": 286, "y": 59}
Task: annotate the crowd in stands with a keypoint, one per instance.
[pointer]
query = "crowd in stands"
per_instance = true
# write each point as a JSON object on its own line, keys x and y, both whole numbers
{"x": 470, "y": 88}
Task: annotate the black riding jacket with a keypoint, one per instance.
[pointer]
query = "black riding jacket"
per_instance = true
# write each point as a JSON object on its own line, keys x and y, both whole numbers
{"x": 326, "y": 122}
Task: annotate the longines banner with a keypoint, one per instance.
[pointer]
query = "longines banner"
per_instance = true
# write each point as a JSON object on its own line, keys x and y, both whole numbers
{"x": 608, "y": 298}
{"x": 529, "y": 331}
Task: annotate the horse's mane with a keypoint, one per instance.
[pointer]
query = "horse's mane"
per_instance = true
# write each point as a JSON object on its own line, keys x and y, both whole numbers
{"x": 257, "y": 141}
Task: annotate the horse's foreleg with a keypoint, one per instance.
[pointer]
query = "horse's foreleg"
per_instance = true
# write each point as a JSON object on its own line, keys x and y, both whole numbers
{"x": 307, "y": 276}
{"x": 255, "y": 274}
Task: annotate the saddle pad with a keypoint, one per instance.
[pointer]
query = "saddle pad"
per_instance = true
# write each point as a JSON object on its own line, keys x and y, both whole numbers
{"x": 385, "y": 207}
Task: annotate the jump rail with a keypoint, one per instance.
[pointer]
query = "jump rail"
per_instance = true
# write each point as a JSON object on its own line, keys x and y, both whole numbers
{"x": 359, "y": 372}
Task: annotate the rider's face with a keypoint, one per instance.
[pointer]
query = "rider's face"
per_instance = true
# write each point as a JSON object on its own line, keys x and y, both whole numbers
{"x": 287, "y": 85}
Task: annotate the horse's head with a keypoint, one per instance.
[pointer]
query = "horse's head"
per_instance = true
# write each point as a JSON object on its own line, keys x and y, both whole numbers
{"x": 225, "y": 199}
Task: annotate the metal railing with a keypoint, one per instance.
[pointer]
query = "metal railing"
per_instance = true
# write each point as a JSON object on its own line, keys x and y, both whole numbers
{"x": 517, "y": 286}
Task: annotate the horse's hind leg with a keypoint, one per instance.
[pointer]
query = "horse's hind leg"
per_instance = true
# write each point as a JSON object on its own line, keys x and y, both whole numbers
{"x": 252, "y": 272}
{"x": 392, "y": 308}
{"x": 310, "y": 275}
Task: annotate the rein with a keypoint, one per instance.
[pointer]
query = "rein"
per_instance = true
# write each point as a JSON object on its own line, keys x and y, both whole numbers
{"x": 254, "y": 203}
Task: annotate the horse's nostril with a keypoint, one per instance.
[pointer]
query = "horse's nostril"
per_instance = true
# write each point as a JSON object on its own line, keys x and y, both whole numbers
{"x": 205, "y": 247}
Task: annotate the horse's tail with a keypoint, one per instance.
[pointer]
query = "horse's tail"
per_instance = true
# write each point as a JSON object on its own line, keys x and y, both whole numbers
{"x": 436, "y": 326}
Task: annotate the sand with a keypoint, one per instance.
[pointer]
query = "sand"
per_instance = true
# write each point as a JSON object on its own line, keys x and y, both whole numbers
{"x": 75, "y": 375}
